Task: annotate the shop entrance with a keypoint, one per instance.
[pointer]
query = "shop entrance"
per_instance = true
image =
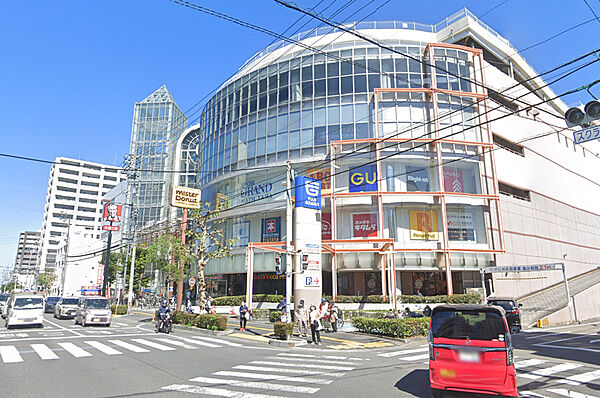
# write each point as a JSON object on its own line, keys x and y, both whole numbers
{"x": 429, "y": 283}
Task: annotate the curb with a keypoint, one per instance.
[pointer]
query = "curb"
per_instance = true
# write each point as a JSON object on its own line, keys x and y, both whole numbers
{"x": 286, "y": 343}
{"x": 204, "y": 331}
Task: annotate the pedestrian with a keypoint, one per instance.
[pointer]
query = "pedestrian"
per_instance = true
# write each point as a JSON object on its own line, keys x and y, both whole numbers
{"x": 333, "y": 316}
{"x": 302, "y": 319}
{"x": 315, "y": 324}
{"x": 324, "y": 313}
{"x": 419, "y": 293}
{"x": 244, "y": 315}
{"x": 282, "y": 306}
{"x": 427, "y": 311}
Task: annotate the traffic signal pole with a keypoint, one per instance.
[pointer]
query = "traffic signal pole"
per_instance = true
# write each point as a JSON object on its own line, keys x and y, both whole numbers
{"x": 288, "y": 242}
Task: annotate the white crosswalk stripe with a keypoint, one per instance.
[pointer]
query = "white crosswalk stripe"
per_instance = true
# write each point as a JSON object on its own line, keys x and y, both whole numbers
{"x": 108, "y": 350}
{"x": 120, "y": 324}
{"x": 302, "y": 365}
{"x": 177, "y": 343}
{"x": 403, "y": 352}
{"x": 74, "y": 350}
{"x": 527, "y": 363}
{"x": 259, "y": 385}
{"x": 287, "y": 354}
{"x": 44, "y": 352}
{"x": 415, "y": 357}
{"x": 538, "y": 374}
{"x": 289, "y": 371}
{"x": 215, "y": 392}
{"x": 128, "y": 346}
{"x": 265, "y": 376}
{"x": 153, "y": 345}
{"x": 571, "y": 394}
{"x": 202, "y": 343}
{"x": 10, "y": 354}
{"x": 581, "y": 378}
{"x": 218, "y": 341}
{"x": 307, "y": 360}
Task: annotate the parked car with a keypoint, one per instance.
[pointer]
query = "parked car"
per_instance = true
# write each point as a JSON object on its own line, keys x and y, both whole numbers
{"x": 66, "y": 307}
{"x": 3, "y": 301}
{"x": 470, "y": 350}
{"x": 24, "y": 309}
{"x": 50, "y": 303}
{"x": 93, "y": 310}
{"x": 513, "y": 314}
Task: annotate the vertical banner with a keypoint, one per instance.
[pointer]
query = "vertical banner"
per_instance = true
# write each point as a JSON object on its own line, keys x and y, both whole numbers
{"x": 271, "y": 229}
{"x": 364, "y": 225}
{"x": 241, "y": 232}
{"x": 423, "y": 225}
{"x": 453, "y": 180}
{"x": 326, "y": 226}
{"x": 308, "y": 193}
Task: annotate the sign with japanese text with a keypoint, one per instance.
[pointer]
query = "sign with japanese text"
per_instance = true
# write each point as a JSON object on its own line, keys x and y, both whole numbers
{"x": 524, "y": 268}
{"x": 423, "y": 225}
{"x": 271, "y": 229}
{"x": 112, "y": 212}
{"x": 187, "y": 198}
{"x": 453, "y": 180}
{"x": 326, "y": 226}
{"x": 364, "y": 225}
{"x": 460, "y": 226}
{"x": 322, "y": 175}
{"x": 363, "y": 179}
{"x": 308, "y": 193}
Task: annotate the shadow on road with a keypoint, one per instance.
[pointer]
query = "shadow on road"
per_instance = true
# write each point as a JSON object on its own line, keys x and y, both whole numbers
{"x": 415, "y": 383}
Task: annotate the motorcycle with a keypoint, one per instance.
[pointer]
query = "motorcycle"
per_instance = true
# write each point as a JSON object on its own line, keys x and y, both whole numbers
{"x": 164, "y": 325}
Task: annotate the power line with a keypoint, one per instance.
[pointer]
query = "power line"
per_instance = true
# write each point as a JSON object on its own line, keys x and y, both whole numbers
{"x": 592, "y": 10}
{"x": 492, "y": 9}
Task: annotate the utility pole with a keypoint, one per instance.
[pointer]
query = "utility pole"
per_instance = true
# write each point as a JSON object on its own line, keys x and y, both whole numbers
{"x": 135, "y": 218}
{"x": 288, "y": 240}
{"x": 64, "y": 217}
{"x": 106, "y": 264}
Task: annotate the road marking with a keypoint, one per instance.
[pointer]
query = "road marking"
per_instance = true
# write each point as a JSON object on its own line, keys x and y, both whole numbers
{"x": 153, "y": 345}
{"x": 537, "y": 374}
{"x": 414, "y": 357}
{"x": 285, "y": 370}
{"x": 178, "y": 343}
{"x": 10, "y": 354}
{"x": 128, "y": 346}
{"x": 74, "y": 350}
{"x": 250, "y": 337}
{"x": 217, "y": 392}
{"x": 307, "y": 360}
{"x": 81, "y": 336}
{"x": 257, "y": 384}
{"x": 218, "y": 341}
{"x": 44, "y": 352}
{"x": 542, "y": 334}
{"x": 103, "y": 347}
{"x": 576, "y": 380}
{"x": 193, "y": 341}
{"x": 286, "y": 354}
{"x": 567, "y": 393}
{"x": 402, "y": 352}
{"x": 594, "y": 341}
{"x": 562, "y": 347}
{"x": 302, "y": 365}
{"x": 63, "y": 328}
{"x": 120, "y": 324}
{"x": 265, "y": 376}
{"x": 528, "y": 362}
{"x": 531, "y": 394}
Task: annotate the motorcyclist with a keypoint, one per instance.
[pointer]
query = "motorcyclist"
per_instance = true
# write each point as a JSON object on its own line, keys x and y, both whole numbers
{"x": 163, "y": 313}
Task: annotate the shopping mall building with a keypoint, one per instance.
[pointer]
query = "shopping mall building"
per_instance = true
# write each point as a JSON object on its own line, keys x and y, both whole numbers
{"x": 432, "y": 164}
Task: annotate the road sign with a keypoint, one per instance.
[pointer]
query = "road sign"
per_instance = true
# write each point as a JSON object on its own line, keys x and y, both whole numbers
{"x": 192, "y": 282}
{"x": 589, "y": 134}
{"x": 110, "y": 228}
{"x": 524, "y": 268}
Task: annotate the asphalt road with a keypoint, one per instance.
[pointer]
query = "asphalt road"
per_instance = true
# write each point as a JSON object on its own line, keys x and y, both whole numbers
{"x": 128, "y": 359}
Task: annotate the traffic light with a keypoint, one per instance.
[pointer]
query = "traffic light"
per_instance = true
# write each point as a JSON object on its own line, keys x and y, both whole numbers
{"x": 278, "y": 267}
{"x": 304, "y": 262}
{"x": 583, "y": 115}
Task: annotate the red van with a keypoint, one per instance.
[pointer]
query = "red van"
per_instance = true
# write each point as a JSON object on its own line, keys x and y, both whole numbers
{"x": 470, "y": 350}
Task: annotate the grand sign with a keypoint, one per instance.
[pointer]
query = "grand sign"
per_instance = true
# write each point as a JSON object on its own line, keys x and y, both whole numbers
{"x": 252, "y": 191}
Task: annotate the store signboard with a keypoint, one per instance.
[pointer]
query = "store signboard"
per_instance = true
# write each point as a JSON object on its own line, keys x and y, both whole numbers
{"x": 100, "y": 275}
{"x": 308, "y": 193}
{"x": 363, "y": 179}
{"x": 326, "y": 226}
{"x": 524, "y": 268}
{"x": 423, "y": 225}
{"x": 460, "y": 226}
{"x": 252, "y": 191}
{"x": 241, "y": 232}
{"x": 187, "y": 198}
{"x": 112, "y": 212}
{"x": 453, "y": 180}
{"x": 271, "y": 229}
{"x": 322, "y": 175}
{"x": 364, "y": 225}
{"x": 417, "y": 178}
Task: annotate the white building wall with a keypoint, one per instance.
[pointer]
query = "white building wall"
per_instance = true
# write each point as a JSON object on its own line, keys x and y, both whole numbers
{"x": 82, "y": 266}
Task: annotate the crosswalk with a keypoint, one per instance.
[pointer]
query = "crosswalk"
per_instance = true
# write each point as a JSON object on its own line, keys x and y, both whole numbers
{"x": 283, "y": 373}
{"x": 56, "y": 350}
{"x": 408, "y": 355}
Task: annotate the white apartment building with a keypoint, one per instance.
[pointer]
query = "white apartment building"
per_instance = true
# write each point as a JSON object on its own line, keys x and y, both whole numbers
{"x": 74, "y": 199}
{"x": 27, "y": 259}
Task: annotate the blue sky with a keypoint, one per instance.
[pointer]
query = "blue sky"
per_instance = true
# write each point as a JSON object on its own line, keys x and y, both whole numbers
{"x": 72, "y": 70}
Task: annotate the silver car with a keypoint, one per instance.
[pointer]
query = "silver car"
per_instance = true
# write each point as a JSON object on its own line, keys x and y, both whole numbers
{"x": 93, "y": 310}
{"x": 66, "y": 308}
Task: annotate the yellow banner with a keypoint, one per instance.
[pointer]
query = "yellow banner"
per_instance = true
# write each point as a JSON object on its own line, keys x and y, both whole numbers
{"x": 423, "y": 225}
{"x": 188, "y": 198}
{"x": 324, "y": 176}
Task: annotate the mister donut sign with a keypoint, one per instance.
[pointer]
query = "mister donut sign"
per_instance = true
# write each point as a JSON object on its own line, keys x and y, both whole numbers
{"x": 188, "y": 198}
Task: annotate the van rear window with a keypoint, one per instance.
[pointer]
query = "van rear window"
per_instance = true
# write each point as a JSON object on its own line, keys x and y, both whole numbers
{"x": 473, "y": 325}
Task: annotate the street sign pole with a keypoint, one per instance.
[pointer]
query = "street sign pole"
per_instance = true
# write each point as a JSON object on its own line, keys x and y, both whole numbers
{"x": 106, "y": 263}
{"x": 564, "y": 272}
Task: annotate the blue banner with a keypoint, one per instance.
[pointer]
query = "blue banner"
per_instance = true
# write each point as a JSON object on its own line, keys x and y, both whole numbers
{"x": 363, "y": 179}
{"x": 308, "y": 193}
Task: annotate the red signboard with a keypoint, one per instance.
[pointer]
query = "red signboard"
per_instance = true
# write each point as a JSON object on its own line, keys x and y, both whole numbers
{"x": 453, "y": 180}
{"x": 112, "y": 212}
{"x": 326, "y": 226}
{"x": 110, "y": 227}
{"x": 100, "y": 275}
{"x": 364, "y": 225}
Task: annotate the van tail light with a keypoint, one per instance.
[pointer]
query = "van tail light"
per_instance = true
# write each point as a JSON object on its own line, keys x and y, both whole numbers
{"x": 510, "y": 359}
{"x": 430, "y": 340}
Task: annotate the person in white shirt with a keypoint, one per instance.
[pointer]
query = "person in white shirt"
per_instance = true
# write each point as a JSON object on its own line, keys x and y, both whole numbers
{"x": 315, "y": 324}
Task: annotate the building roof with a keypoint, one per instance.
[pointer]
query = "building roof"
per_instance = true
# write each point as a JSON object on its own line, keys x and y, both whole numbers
{"x": 159, "y": 96}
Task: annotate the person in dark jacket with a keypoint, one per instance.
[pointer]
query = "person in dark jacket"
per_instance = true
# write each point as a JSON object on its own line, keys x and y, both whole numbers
{"x": 244, "y": 315}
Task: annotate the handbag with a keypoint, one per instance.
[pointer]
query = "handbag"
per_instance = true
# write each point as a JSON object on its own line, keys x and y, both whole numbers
{"x": 318, "y": 326}
{"x": 247, "y": 315}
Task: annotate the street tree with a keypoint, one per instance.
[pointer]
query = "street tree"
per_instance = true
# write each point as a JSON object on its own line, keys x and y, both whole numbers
{"x": 45, "y": 280}
{"x": 165, "y": 254}
{"x": 206, "y": 241}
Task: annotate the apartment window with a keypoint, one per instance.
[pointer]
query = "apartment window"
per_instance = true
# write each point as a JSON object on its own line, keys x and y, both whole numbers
{"x": 111, "y": 170}
{"x": 65, "y": 189}
{"x": 67, "y": 180}
{"x": 86, "y": 209}
{"x": 53, "y": 242}
{"x": 85, "y": 200}
{"x": 83, "y": 218}
{"x": 515, "y": 192}
{"x": 86, "y": 192}
{"x": 68, "y": 171}
{"x": 62, "y": 197}
{"x": 108, "y": 186}
{"x": 502, "y": 100}
{"x": 64, "y": 207}
{"x": 509, "y": 145}
{"x": 90, "y": 184}
{"x": 90, "y": 175}
{"x": 110, "y": 178}
{"x": 70, "y": 163}
{"x": 89, "y": 166}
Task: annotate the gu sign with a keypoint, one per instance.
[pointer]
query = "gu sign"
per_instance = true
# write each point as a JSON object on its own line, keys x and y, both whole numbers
{"x": 308, "y": 193}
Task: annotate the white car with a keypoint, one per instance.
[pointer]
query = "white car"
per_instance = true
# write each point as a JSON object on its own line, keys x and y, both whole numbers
{"x": 3, "y": 301}
{"x": 24, "y": 309}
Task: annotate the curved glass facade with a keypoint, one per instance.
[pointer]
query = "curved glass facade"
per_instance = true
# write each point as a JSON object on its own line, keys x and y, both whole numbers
{"x": 400, "y": 147}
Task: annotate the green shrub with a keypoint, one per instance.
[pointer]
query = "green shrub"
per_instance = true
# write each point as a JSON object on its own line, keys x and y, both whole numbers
{"x": 401, "y": 328}
{"x": 257, "y": 298}
{"x": 283, "y": 329}
{"x": 349, "y": 314}
{"x": 183, "y": 318}
{"x": 121, "y": 309}
{"x": 275, "y": 316}
{"x": 211, "y": 322}
{"x": 470, "y": 298}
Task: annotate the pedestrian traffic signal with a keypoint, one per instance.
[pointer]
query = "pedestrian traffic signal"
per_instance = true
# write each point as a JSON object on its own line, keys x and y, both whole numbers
{"x": 304, "y": 262}
{"x": 583, "y": 115}
{"x": 278, "y": 268}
